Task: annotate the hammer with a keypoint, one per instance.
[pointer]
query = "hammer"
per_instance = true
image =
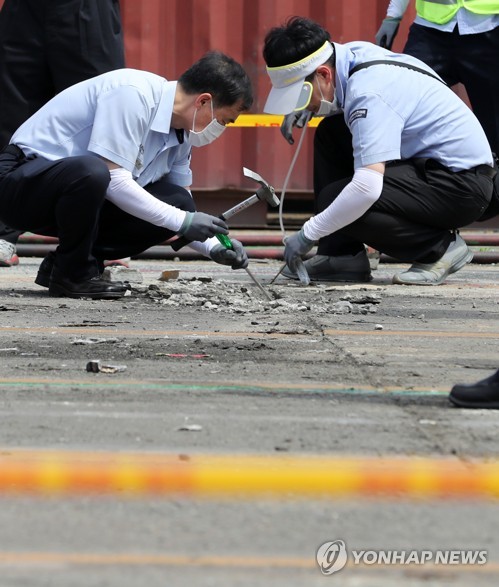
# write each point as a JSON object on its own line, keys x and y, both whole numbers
{"x": 265, "y": 193}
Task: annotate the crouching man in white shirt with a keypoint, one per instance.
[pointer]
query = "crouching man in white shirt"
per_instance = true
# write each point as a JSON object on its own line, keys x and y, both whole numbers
{"x": 105, "y": 167}
{"x": 400, "y": 162}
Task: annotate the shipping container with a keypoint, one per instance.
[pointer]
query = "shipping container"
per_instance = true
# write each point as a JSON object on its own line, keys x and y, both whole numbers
{"x": 167, "y": 36}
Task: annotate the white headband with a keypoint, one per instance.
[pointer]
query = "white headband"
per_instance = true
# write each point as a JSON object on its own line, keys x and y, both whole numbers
{"x": 287, "y": 80}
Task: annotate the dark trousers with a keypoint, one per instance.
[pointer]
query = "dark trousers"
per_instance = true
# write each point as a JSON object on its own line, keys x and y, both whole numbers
{"x": 47, "y": 46}
{"x": 468, "y": 59}
{"x": 66, "y": 199}
{"x": 421, "y": 202}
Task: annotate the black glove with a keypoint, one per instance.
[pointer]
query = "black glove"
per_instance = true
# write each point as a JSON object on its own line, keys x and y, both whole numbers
{"x": 387, "y": 32}
{"x": 296, "y": 247}
{"x": 199, "y": 226}
{"x": 298, "y": 119}
{"x": 235, "y": 257}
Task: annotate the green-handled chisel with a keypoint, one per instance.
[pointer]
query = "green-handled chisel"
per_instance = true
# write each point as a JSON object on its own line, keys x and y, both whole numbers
{"x": 225, "y": 241}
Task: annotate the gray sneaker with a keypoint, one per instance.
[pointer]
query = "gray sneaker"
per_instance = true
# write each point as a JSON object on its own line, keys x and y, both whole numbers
{"x": 455, "y": 258}
{"x": 354, "y": 268}
{"x": 8, "y": 255}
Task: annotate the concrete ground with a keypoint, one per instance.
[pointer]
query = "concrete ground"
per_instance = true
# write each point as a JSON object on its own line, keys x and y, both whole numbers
{"x": 331, "y": 370}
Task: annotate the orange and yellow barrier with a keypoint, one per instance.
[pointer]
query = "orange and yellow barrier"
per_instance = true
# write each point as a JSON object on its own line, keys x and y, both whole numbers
{"x": 239, "y": 476}
{"x": 265, "y": 120}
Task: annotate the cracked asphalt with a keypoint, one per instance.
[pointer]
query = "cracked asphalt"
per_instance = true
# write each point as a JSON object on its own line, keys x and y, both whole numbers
{"x": 332, "y": 370}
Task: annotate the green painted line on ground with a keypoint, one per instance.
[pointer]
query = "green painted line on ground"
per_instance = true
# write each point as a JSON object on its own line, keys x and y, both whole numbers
{"x": 225, "y": 387}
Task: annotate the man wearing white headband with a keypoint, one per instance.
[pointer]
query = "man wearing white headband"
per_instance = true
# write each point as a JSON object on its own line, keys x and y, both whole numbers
{"x": 401, "y": 169}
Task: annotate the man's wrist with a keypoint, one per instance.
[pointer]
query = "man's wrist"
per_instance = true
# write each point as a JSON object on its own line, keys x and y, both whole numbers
{"x": 396, "y": 19}
{"x": 307, "y": 235}
{"x": 186, "y": 223}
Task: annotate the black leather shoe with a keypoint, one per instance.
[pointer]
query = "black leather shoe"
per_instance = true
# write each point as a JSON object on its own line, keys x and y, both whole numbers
{"x": 45, "y": 270}
{"x": 353, "y": 268}
{"x": 95, "y": 288}
{"x": 483, "y": 394}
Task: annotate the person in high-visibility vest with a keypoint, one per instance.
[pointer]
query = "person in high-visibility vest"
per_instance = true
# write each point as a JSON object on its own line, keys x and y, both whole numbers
{"x": 459, "y": 39}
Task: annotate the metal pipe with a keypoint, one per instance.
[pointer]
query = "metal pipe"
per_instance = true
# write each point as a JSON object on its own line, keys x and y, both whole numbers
{"x": 259, "y": 246}
{"x": 275, "y": 239}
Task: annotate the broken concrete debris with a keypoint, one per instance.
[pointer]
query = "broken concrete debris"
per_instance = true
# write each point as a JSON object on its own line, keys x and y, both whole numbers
{"x": 95, "y": 366}
{"x": 94, "y": 340}
{"x": 120, "y": 273}
{"x": 218, "y": 296}
{"x": 190, "y": 428}
{"x": 169, "y": 275}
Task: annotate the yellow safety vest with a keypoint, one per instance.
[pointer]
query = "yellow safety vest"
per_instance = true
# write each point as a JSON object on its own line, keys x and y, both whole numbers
{"x": 441, "y": 11}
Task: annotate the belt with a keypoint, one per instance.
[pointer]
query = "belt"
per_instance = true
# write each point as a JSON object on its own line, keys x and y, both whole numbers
{"x": 14, "y": 150}
{"x": 485, "y": 170}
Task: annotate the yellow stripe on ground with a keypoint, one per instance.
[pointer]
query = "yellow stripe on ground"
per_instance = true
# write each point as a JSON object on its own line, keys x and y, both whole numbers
{"x": 38, "y": 559}
{"x": 244, "y": 476}
{"x": 91, "y": 559}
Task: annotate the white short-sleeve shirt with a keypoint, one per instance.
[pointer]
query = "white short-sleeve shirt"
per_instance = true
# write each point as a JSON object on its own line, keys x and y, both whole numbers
{"x": 394, "y": 113}
{"x": 123, "y": 115}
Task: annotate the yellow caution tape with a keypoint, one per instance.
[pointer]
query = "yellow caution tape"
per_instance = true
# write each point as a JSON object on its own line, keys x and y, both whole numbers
{"x": 239, "y": 476}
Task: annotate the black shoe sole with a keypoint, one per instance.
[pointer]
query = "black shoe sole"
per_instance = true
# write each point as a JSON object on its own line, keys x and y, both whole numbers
{"x": 340, "y": 277}
{"x": 57, "y": 291}
{"x": 493, "y": 405}
{"x": 344, "y": 277}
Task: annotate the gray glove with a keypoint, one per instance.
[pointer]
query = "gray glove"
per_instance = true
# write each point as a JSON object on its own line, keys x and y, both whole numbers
{"x": 298, "y": 119}
{"x": 296, "y": 247}
{"x": 199, "y": 226}
{"x": 387, "y": 32}
{"x": 235, "y": 257}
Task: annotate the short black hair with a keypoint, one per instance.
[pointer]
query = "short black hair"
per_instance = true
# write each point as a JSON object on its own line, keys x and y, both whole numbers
{"x": 293, "y": 41}
{"x": 222, "y": 77}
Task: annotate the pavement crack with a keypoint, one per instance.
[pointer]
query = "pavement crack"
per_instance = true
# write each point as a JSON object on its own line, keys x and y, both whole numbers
{"x": 346, "y": 358}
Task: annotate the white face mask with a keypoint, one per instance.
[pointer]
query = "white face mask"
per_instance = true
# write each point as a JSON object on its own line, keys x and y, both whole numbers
{"x": 327, "y": 108}
{"x": 209, "y": 133}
